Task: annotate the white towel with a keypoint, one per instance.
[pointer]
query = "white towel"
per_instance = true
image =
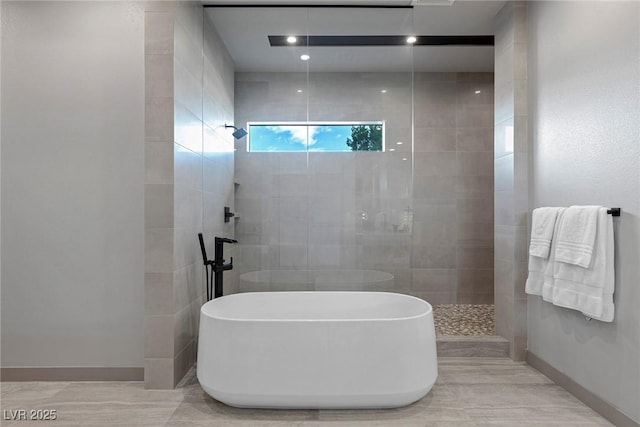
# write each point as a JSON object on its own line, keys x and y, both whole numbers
{"x": 589, "y": 290}
{"x": 543, "y": 221}
{"x": 541, "y": 269}
{"x": 577, "y": 235}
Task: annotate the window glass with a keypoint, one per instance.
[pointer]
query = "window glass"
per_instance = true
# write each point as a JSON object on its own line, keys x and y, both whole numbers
{"x": 317, "y": 136}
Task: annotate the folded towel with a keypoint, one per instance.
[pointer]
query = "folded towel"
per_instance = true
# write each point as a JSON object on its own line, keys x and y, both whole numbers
{"x": 589, "y": 290}
{"x": 541, "y": 269}
{"x": 577, "y": 235}
{"x": 543, "y": 221}
{"x": 535, "y": 279}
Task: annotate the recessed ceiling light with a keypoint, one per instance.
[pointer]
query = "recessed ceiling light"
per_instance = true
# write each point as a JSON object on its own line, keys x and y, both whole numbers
{"x": 392, "y": 149}
{"x": 411, "y": 39}
{"x": 383, "y": 91}
{"x": 404, "y": 158}
{"x": 292, "y": 39}
{"x": 305, "y": 57}
{"x": 478, "y": 91}
{"x": 299, "y": 90}
{"x": 399, "y": 142}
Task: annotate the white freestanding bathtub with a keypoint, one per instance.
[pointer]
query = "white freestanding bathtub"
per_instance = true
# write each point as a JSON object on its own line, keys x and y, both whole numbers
{"x": 317, "y": 349}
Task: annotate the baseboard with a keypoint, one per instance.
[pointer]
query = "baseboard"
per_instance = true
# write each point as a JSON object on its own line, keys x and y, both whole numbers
{"x": 71, "y": 374}
{"x": 590, "y": 399}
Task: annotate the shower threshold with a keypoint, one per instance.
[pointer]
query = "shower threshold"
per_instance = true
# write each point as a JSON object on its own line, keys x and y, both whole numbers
{"x": 468, "y": 330}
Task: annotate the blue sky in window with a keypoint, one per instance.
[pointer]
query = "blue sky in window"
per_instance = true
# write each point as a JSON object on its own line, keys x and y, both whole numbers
{"x": 295, "y": 137}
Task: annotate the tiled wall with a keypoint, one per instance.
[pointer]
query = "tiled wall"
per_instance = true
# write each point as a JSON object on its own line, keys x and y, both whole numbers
{"x": 346, "y": 210}
{"x": 218, "y": 147}
{"x": 189, "y": 177}
{"x": 453, "y": 188}
{"x": 159, "y": 309}
{"x": 302, "y": 210}
{"x": 511, "y": 175}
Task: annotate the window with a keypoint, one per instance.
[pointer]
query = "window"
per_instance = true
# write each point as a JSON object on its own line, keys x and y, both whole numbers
{"x": 315, "y": 136}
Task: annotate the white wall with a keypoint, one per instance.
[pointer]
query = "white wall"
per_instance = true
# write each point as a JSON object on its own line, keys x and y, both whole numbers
{"x": 584, "y": 68}
{"x": 0, "y": 181}
{"x": 72, "y": 184}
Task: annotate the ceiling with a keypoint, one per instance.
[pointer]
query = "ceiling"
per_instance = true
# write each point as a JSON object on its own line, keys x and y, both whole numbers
{"x": 245, "y": 31}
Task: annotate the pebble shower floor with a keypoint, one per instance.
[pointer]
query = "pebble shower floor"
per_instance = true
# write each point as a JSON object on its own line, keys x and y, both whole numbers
{"x": 464, "y": 319}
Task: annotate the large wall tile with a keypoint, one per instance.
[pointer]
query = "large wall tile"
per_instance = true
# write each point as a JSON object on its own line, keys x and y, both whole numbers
{"x": 183, "y": 362}
{"x": 475, "y": 281}
{"x": 159, "y": 205}
{"x": 432, "y": 256}
{"x": 475, "y": 257}
{"x": 433, "y": 279}
{"x": 158, "y": 32}
{"x": 159, "y": 76}
{"x": 436, "y": 297}
{"x": 188, "y": 55}
{"x": 188, "y": 89}
{"x": 474, "y": 139}
{"x": 158, "y": 117}
{"x": 435, "y": 93}
{"x": 434, "y": 139}
{"x": 323, "y": 256}
{"x": 187, "y": 208}
{"x": 187, "y": 286}
{"x": 475, "y": 234}
{"x": 187, "y": 129}
{"x": 475, "y": 163}
{"x": 158, "y": 252}
{"x": 474, "y": 116}
{"x": 189, "y": 16}
{"x": 158, "y": 293}
{"x": 435, "y": 164}
{"x": 158, "y": 372}
{"x": 157, "y": 329}
{"x": 184, "y": 332}
{"x": 474, "y": 93}
{"x": 475, "y": 210}
{"x": 159, "y": 163}
{"x": 475, "y": 298}
{"x": 438, "y": 116}
{"x": 473, "y": 187}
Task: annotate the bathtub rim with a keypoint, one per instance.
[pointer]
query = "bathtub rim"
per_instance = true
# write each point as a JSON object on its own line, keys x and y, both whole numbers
{"x": 427, "y": 312}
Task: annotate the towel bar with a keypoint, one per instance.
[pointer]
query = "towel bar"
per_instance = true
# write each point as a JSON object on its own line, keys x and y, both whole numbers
{"x": 614, "y": 211}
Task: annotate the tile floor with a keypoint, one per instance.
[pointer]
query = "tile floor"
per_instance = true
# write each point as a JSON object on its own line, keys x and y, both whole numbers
{"x": 469, "y": 392}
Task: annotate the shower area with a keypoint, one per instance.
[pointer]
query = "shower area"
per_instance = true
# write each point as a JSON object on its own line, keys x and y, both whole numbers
{"x": 365, "y": 167}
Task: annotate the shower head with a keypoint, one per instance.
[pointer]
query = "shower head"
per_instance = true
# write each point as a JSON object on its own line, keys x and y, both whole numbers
{"x": 239, "y": 133}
